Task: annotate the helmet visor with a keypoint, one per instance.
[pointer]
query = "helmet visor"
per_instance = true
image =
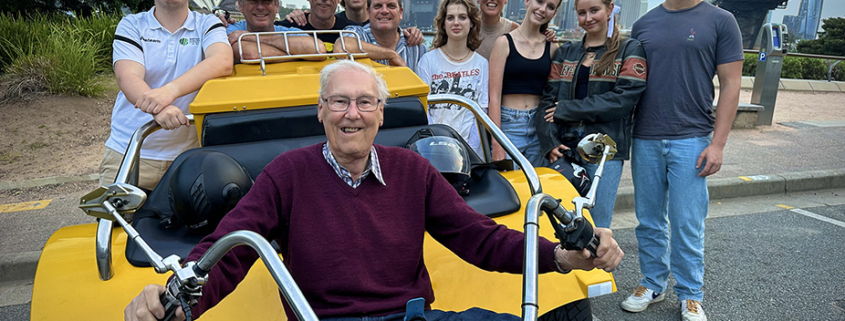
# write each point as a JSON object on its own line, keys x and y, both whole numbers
{"x": 446, "y": 154}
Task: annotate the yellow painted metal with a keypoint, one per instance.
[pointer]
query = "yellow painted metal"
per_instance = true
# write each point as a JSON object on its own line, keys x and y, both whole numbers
{"x": 288, "y": 84}
{"x": 459, "y": 286}
{"x": 67, "y": 286}
{"x": 24, "y": 206}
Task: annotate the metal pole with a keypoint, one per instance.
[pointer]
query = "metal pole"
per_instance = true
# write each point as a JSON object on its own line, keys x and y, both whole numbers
{"x": 831, "y": 69}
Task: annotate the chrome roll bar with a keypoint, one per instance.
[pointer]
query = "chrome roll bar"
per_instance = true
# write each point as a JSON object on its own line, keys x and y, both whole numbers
{"x": 262, "y": 60}
{"x": 126, "y": 174}
{"x": 530, "y": 267}
{"x": 498, "y": 135}
{"x": 271, "y": 259}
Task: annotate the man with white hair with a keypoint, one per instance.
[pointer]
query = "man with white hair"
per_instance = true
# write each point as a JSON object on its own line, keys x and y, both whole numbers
{"x": 347, "y": 181}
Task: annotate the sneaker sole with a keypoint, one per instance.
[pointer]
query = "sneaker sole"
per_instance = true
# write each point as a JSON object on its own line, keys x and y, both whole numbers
{"x": 635, "y": 309}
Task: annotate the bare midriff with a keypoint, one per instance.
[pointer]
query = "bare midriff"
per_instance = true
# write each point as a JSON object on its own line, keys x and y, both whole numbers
{"x": 520, "y": 101}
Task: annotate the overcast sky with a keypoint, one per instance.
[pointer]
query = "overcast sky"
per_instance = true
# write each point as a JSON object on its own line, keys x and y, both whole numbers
{"x": 832, "y": 8}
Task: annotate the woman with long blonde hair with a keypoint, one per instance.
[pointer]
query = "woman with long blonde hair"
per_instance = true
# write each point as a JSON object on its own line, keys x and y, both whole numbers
{"x": 593, "y": 88}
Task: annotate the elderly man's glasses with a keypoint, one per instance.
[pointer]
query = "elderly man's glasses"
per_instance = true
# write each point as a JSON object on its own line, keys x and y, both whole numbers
{"x": 341, "y": 103}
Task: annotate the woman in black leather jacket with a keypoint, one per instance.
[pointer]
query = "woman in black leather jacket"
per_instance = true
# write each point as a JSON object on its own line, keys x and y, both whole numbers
{"x": 593, "y": 87}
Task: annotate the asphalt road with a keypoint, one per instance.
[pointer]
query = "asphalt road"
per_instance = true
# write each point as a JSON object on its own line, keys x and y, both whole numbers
{"x": 763, "y": 263}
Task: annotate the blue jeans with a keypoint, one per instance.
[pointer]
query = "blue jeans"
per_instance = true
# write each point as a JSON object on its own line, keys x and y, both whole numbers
{"x": 670, "y": 197}
{"x": 606, "y": 192}
{"x": 518, "y": 125}
{"x": 438, "y": 315}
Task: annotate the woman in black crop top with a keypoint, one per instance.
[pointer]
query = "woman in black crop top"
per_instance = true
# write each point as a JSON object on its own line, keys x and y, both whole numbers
{"x": 593, "y": 88}
{"x": 519, "y": 67}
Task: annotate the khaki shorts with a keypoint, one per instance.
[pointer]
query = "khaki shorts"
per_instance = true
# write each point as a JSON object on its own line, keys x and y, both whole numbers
{"x": 148, "y": 176}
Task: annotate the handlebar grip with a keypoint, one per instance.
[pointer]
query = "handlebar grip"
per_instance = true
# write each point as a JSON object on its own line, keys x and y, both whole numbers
{"x": 593, "y": 246}
{"x": 171, "y": 305}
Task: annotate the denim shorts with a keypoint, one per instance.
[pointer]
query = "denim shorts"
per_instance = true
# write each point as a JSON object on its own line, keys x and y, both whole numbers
{"x": 518, "y": 125}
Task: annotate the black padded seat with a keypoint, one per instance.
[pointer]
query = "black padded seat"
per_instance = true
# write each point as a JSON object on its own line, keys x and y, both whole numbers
{"x": 490, "y": 193}
{"x": 239, "y": 127}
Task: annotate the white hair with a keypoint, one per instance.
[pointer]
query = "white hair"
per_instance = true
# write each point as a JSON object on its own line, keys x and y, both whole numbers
{"x": 328, "y": 73}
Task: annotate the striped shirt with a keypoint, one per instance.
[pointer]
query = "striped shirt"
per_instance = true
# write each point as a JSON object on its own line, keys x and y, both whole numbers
{"x": 373, "y": 166}
{"x": 411, "y": 54}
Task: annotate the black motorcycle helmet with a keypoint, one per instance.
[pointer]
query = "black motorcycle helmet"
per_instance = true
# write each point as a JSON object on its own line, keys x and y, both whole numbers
{"x": 206, "y": 186}
{"x": 448, "y": 155}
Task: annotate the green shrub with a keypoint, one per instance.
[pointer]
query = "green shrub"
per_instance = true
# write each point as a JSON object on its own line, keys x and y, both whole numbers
{"x": 56, "y": 54}
{"x": 798, "y": 68}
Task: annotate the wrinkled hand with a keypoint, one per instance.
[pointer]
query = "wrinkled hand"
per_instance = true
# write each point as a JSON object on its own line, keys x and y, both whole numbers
{"x": 154, "y": 100}
{"x": 413, "y": 36}
{"x": 608, "y": 255}
{"x": 226, "y": 22}
{"x": 297, "y": 17}
{"x": 234, "y": 35}
{"x": 550, "y": 35}
{"x": 396, "y": 60}
{"x": 550, "y": 114}
{"x": 712, "y": 158}
{"x": 171, "y": 118}
{"x": 147, "y": 306}
{"x": 498, "y": 152}
{"x": 557, "y": 153}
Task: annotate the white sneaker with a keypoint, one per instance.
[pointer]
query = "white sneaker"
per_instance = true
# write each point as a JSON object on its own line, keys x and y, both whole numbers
{"x": 640, "y": 299}
{"x": 691, "y": 310}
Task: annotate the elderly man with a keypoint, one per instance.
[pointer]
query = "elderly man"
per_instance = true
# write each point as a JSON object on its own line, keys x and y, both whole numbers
{"x": 383, "y": 31}
{"x": 259, "y": 16}
{"x": 348, "y": 183}
{"x": 161, "y": 58}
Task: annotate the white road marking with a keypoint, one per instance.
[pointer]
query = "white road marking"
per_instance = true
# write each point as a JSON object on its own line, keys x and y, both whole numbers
{"x": 818, "y": 217}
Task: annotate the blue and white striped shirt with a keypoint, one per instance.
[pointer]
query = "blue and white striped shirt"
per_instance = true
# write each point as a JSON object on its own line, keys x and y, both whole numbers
{"x": 373, "y": 166}
{"x": 411, "y": 54}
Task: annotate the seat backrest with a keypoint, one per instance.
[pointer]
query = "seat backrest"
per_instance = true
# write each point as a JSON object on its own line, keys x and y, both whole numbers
{"x": 239, "y": 127}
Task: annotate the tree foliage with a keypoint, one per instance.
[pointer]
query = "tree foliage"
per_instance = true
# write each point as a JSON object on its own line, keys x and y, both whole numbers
{"x": 81, "y": 8}
{"x": 830, "y": 42}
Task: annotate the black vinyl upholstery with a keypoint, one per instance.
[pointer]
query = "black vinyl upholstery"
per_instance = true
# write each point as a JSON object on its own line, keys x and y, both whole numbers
{"x": 490, "y": 193}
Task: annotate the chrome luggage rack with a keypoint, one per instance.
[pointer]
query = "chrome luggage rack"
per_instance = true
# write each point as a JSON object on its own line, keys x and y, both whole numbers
{"x": 262, "y": 60}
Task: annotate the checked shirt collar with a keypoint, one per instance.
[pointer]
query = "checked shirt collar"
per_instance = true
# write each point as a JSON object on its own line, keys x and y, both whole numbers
{"x": 373, "y": 166}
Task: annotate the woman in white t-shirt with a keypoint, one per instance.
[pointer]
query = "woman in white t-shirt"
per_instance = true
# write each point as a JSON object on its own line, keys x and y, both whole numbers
{"x": 453, "y": 67}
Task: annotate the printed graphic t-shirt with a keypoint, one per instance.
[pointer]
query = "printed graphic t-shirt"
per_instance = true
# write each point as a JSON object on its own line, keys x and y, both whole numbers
{"x": 468, "y": 78}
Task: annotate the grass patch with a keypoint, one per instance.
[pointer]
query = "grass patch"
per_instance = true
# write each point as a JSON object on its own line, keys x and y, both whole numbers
{"x": 37, "y": 145}
{"x": 9, "y": 157}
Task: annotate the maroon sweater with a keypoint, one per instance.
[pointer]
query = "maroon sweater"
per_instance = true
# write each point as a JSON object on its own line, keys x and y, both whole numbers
{"x": 358, "y": 252}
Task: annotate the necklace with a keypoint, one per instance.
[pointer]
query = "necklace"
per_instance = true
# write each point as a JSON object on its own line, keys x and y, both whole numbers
{"x": 533, "y": 47}
{"x": 469, "y": 52}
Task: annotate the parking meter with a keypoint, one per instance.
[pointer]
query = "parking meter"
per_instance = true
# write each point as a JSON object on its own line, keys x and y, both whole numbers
{"x": 769, "y": 65}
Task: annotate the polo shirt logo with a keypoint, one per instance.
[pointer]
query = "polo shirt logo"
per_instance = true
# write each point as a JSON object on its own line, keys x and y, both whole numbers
{"x": 189, "y": 41}
{"x": 150, "y": 40}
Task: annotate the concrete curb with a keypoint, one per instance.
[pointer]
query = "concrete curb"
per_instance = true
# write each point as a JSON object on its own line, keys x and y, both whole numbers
{"x": 19, "y": 266}
{"x": 795, "y": 85}
{"x": 744, "y": 186}
{"x": 48, "y": 181}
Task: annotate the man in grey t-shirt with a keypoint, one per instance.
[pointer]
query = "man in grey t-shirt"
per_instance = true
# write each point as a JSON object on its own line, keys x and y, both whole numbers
{"x": 678, "y": 143}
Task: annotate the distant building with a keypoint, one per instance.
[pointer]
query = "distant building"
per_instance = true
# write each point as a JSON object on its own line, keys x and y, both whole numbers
{"x": 420, "y": 13}
{"x": 632, "y": 10}
{"x": 512, "y": 10}
{"x": 566, "y": 17}
{"x": 290, "y": 6}
{"x": 805, "y": 25}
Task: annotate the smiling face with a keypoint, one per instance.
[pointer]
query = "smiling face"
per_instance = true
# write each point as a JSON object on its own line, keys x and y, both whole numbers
{"x": 323, "y": 9}
{"x": 385, "y": 14}
{"x": 540, "y": 11}
{"x": 350, "y": 133}
{"x": 457, "y": 23}
{"x": 259, "y": 14}
{"x": 593, "y": 15}
{"x": 492, "y": 8}
{"x": 355, "y": 5}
